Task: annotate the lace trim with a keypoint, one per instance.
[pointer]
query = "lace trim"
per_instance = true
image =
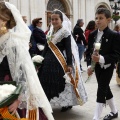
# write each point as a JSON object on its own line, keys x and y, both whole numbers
{"x": 3, "y": 44}
{"x": 62, "y": 33}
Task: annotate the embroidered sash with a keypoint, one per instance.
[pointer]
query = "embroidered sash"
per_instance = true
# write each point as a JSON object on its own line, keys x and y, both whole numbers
{"x": 63, "y": 63}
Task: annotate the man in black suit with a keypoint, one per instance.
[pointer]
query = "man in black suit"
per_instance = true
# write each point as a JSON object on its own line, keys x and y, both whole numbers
{"x": 105, "y": 61}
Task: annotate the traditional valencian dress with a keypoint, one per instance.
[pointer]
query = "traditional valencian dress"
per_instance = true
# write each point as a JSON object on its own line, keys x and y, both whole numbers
{"x": 16, "y": 65}
{"x": 58, "y": 88}
{"x": 6, "y": 74}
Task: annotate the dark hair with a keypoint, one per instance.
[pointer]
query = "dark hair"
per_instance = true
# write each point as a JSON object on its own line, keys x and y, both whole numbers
{"x": 6, "y": 15}
{"x": 58, "y": 13}
{"x": 104, "y": 11}
{"x": 35, "y": 21}
{"x": 91, "y": 25}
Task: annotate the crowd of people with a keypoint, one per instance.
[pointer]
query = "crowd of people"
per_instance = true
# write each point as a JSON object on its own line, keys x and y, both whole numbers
{"x": 58, "y": 81}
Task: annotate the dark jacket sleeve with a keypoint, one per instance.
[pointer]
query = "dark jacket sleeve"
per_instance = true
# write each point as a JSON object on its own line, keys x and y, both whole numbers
{"x": 67, "y": 42}
{"x": 113, "y": 56}
{"x": 78, "y": 31}
{"x": 39, "y": 36}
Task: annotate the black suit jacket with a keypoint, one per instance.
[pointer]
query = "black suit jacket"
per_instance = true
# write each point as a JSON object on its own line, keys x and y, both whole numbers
{"x": 110, "y": 43}
{"x": 78, "y": 31}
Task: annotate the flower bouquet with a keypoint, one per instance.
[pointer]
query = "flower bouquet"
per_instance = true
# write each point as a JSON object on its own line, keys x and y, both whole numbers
{"x": 37, "y": 60}
{"x": 95, "y": 52}
{"x": 9, "y": 92}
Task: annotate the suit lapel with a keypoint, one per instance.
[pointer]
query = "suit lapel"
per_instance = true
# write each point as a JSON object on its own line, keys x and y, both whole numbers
{"x": 105, "y": 37}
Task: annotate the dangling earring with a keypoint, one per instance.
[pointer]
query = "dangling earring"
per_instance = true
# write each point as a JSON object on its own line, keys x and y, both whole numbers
{"x": 3, "y": 29}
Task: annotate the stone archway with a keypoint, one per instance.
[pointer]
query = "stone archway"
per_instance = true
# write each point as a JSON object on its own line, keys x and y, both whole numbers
{"x": 102, "y": 5}
{"x": 58, "y": 4}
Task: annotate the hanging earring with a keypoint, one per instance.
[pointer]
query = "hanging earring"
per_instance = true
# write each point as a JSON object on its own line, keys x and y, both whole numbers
{"x": 3, "y": 29}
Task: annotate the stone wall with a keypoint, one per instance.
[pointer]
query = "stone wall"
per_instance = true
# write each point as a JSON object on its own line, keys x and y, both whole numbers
{"x": 75, "y": 9}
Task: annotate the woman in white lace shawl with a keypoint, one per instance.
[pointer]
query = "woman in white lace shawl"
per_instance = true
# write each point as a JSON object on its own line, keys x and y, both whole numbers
{"x": 14, "y": 45}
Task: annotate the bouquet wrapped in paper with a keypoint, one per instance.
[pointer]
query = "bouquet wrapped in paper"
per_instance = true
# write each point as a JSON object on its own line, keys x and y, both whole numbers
{"x": 95, "y": 52}
{"x": 37, "y": 60}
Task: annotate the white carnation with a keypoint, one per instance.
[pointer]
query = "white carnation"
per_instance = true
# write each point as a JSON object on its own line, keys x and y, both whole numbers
{"x": 97, "y": 46}
{"x": 37, "y": 59}
{"x": 6, "y": 90}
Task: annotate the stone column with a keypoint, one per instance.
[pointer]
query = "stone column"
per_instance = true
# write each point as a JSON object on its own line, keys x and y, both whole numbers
{"x": 37, "y": 9}
{"x": 41, "y": 9}
{"x": 82, "y": 11}
{"x": 90, "y": 11}
{"x": 25, "y": 9}
{"x": 75, "y": 11}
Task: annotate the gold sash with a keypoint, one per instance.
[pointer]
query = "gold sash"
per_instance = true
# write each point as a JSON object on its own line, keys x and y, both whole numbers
{"x": 63, "y": 63}
{"x": 6, "y": 115}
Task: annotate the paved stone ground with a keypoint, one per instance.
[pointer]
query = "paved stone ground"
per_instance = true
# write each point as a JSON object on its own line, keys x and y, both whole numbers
{"x": 86, "y": 111}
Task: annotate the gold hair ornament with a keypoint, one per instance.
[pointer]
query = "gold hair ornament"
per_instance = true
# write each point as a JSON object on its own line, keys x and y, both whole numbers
{"x": 3, "y": 29}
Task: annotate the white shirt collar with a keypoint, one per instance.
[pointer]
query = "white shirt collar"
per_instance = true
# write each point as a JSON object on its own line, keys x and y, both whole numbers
{"x": 101, "y": 32}
{"x": 99, "y": 35}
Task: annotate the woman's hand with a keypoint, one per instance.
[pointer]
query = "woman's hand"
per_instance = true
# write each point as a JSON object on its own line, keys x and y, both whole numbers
{"x": 30, "y": 45}
{"x": 69, "y": 69}
{"x": 89, "y": 71}
{"x": 13, "y": 107}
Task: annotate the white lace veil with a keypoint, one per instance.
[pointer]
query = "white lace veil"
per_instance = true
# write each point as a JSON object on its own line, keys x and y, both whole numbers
{"x": 22, "y": 68}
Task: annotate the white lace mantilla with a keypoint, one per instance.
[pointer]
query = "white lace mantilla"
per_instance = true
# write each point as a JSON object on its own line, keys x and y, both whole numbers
{"x": 58, "y": 36}
{"x": 23, "y": 72}
{"x": 3, "y": 50}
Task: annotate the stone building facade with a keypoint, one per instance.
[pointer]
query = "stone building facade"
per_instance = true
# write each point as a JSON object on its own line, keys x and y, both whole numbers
{"x": 74, "y": 9}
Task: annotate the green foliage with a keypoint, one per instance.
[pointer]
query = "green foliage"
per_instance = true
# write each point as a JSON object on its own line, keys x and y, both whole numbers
{"x": 115, "y": 17}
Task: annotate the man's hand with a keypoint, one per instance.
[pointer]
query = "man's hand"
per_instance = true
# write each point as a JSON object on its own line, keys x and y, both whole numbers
{"x": 89, "y": 71}
{"x": 77, "y": 37}
{"x": 96, "y": 57}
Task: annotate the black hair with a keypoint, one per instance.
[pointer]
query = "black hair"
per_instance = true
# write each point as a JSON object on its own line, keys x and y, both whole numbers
{"x": 91, "y": 25}
{"x": 58, "y": 13}
{"x": 104, "y": 11}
